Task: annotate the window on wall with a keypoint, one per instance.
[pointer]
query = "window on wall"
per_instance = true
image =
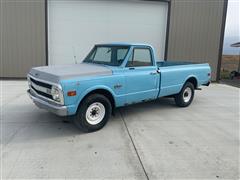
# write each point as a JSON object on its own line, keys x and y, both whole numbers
{"x": 140, "y": 57}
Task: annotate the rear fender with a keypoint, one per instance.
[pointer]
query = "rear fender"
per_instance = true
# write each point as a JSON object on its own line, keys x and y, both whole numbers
{"x": 191, "y": 76}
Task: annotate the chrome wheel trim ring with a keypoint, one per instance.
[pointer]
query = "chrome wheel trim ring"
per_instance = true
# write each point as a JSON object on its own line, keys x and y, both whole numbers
{"x": 95, "y": 113}
{"x": 187, "y": 94}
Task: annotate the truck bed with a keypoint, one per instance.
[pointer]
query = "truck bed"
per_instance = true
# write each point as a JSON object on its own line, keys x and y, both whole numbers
{"x": 173, "y": 75}
{"x": 172, "y": 63}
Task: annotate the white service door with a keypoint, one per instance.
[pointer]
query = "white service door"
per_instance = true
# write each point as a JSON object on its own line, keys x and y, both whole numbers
{"x": 75, "y": 26}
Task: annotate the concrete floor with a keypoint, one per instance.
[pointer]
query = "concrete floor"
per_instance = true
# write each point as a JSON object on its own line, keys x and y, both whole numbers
{"x": 232, "y": 82}
{"x": 154, "y": 140}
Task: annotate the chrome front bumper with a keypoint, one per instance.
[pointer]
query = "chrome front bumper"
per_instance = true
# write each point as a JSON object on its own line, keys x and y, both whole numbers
{"x": 43, "y": 104}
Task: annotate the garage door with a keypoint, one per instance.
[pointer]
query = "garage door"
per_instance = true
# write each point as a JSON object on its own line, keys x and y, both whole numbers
{"x": 75, "y": 26}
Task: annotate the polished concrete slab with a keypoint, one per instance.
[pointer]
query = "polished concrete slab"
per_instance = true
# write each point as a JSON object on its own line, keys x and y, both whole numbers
{"x": 154, "y": 140}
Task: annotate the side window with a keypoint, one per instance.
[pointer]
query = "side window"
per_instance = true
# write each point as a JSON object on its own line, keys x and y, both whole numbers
{"x": 140, "y": 57}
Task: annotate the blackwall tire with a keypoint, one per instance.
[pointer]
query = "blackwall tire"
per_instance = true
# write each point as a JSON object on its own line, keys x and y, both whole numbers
{"x": 93, "y": 113}
{"x": 186, "y": 95}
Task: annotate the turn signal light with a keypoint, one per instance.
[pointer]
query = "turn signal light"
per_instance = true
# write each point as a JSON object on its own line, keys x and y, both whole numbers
{"x": 71, "y": 93}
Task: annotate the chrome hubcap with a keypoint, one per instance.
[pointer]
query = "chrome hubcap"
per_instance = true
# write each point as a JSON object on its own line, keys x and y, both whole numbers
{"x": 187, "y": 94}
{"x": 95, "y": 113}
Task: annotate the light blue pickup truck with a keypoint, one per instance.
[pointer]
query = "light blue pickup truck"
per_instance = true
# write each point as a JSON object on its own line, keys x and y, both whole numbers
{"x": 111, "y": 76}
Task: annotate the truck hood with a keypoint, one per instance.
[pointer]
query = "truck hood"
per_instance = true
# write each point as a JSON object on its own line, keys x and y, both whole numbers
{"x": 59, "y": 72}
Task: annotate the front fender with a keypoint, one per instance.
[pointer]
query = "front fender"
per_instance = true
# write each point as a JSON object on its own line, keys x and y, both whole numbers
{"x": 73, "y": 108}
{"x": 86, "y": 92}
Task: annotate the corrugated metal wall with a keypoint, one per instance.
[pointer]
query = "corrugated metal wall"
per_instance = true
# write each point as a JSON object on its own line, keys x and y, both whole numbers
{"x": 22, "y": 36}
{"x": 195, "y": 31}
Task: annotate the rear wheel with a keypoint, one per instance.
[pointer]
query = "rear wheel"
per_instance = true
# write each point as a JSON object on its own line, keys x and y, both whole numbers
{"x": 185, "y": 97}
{"x": 93, "y": 113}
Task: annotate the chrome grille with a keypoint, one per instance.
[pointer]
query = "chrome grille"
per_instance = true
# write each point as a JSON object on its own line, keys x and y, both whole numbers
{"x": 43, "y": 84}
{"x": 41, "y": 88}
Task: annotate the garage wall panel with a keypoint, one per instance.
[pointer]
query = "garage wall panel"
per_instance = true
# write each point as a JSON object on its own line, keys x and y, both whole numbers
{"x": 22, "y": 36}
{"x": 195, "y": 31}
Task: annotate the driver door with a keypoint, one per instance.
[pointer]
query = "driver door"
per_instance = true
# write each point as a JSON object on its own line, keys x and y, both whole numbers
{"x": 141, "y": 77}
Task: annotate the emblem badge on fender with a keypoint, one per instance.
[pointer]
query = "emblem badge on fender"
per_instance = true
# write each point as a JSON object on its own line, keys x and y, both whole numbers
{"x": 117, "y": 86}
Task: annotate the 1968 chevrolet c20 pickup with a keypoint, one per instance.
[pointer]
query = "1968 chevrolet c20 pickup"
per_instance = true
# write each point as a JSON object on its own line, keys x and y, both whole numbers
{"x": 111, "y": 76}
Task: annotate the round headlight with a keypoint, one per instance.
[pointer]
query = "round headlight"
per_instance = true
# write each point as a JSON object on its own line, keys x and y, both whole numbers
{"x": 57, "y": 94}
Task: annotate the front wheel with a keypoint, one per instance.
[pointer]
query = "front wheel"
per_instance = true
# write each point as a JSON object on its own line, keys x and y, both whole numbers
{"x": 93, "y": 113}
{"x": 185, "y": 97}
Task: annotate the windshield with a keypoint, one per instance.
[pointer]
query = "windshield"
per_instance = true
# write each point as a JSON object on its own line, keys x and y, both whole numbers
{"x": 107, "y": 55}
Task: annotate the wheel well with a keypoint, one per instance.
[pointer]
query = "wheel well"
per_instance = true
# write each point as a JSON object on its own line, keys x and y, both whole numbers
{"x": 193, "y": 80}
{"x": 104, "y": 92}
